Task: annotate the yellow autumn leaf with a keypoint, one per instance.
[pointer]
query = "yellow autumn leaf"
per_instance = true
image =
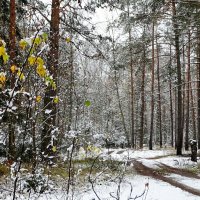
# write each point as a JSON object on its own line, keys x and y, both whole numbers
{"x": 40, "y": 61}
{"x": 13, "y": 68}
{"x": 56, "y": 100}
{"x": 68, "y": 40}
{"x": 37, "y": 41}
{"x": 5, "y": 58}
{"x": 2, "y": 51}
{"x": 54, "y": 149}
{"x": 20, "y": 75}
{"x": 22, "y": 44}
{"x": 32, "y": 60}
{"x": 41, "y": 70}
{"x": 2, "y": 78}
{"x": 38, "y": 99}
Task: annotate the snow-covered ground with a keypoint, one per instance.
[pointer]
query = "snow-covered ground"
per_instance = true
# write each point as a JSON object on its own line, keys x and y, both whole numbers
{"x": 157, "y": 190}
{"x": 134, "y": 154}
{"x": 132, "y": 184}
{"x": 186, "y": 181}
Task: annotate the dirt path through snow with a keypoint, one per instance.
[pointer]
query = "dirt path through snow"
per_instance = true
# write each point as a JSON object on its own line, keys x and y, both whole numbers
{"x": 157, "y": 174}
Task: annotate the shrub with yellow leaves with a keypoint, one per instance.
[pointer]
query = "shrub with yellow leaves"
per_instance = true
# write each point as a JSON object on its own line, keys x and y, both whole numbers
{"x": 41, "y": 70}
{"x": 2, "y": 50}
{"x": 39, "y": 61}
{"x": 32, "y": 60}
{"x": 38, "y": 99}
{"x": 13, "y": 68}
{"x": 23, "y": 44}
{"x": 4, "y": 54}
{"x": 37, "y": 41}
{"x": 56, "y": 99}
{"x": 20, "y": 75}
{"x": 2, "y": 79}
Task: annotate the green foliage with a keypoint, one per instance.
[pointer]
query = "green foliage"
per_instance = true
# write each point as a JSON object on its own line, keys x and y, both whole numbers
{"x": 87, "y": 103}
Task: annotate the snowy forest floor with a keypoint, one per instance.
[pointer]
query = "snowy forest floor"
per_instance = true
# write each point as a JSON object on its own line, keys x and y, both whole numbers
{"x": 142, "y": 175}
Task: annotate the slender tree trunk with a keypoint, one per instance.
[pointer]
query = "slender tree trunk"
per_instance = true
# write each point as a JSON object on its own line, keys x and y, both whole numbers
{"x": 193, "y": 111}
{"x": 132, "y": 83}
{"x": 164, "y": 122}
{"x": 12, "y": 48}
{"x": 176, "y": 116}
{"x": 171, "y": 114}
{"x": 142, "y": 101}
{"x": 152, "y": 90}
{"x": 179, "y": 82}
{"x": 188, "y": 96}
{"x": 52, "y": 63}
{"x": 171, "y": 103}
{"x": 71, "y": 84}
{"x": 159, "y": 96}
{"x": 184, "y": 95}
{"x": 12, "y": 33}
{"x": 198, "y": 86}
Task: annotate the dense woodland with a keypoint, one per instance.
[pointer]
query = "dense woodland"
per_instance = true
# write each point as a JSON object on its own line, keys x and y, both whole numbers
{"x": 65, "y": 86}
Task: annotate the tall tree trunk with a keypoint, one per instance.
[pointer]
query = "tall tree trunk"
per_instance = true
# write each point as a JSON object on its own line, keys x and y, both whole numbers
{"x": 171, "y": 102}
{"x": 132, "y": 82}
{"x": 152, "y": 90}
{"x": 193, "y": 112}
{"x": 70, "y": 102}
{"x": 142, "y": 100}
{"x": 159, "y": 96}
{"x": 52, "y": 64}
{"x": 179, "y": 82}
{"x": 198, "y": 86}
{"x": 12, "y": 48}
{"x": 176, "y": 115}
{"x": 184, "y": 95}
{"x": 188, "y": 95}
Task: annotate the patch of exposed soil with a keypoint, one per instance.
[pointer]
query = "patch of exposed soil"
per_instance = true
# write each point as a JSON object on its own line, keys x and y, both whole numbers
{"x": 146, "y": 171}
{"x": 182, "y": 172}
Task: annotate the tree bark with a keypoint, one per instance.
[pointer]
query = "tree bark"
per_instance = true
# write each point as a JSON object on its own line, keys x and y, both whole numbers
{"x": 159, "y": 96}
{"x": 142, "y": 101}
{"x": 52, "y": 64}
{"x": 12, "y": 48}
{"x": 187, "y": 95}
{"x": 198, "y": 86}
{"x": 132, "y": 82}
{"x": 152, "y": 90}
{"x": 193, "y": 112}
{"x": 171, "y": 103}
{"x": 179, "y": 82}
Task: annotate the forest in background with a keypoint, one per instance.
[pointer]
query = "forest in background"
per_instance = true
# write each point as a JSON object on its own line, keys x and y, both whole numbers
{"x": 64, "y": 86}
